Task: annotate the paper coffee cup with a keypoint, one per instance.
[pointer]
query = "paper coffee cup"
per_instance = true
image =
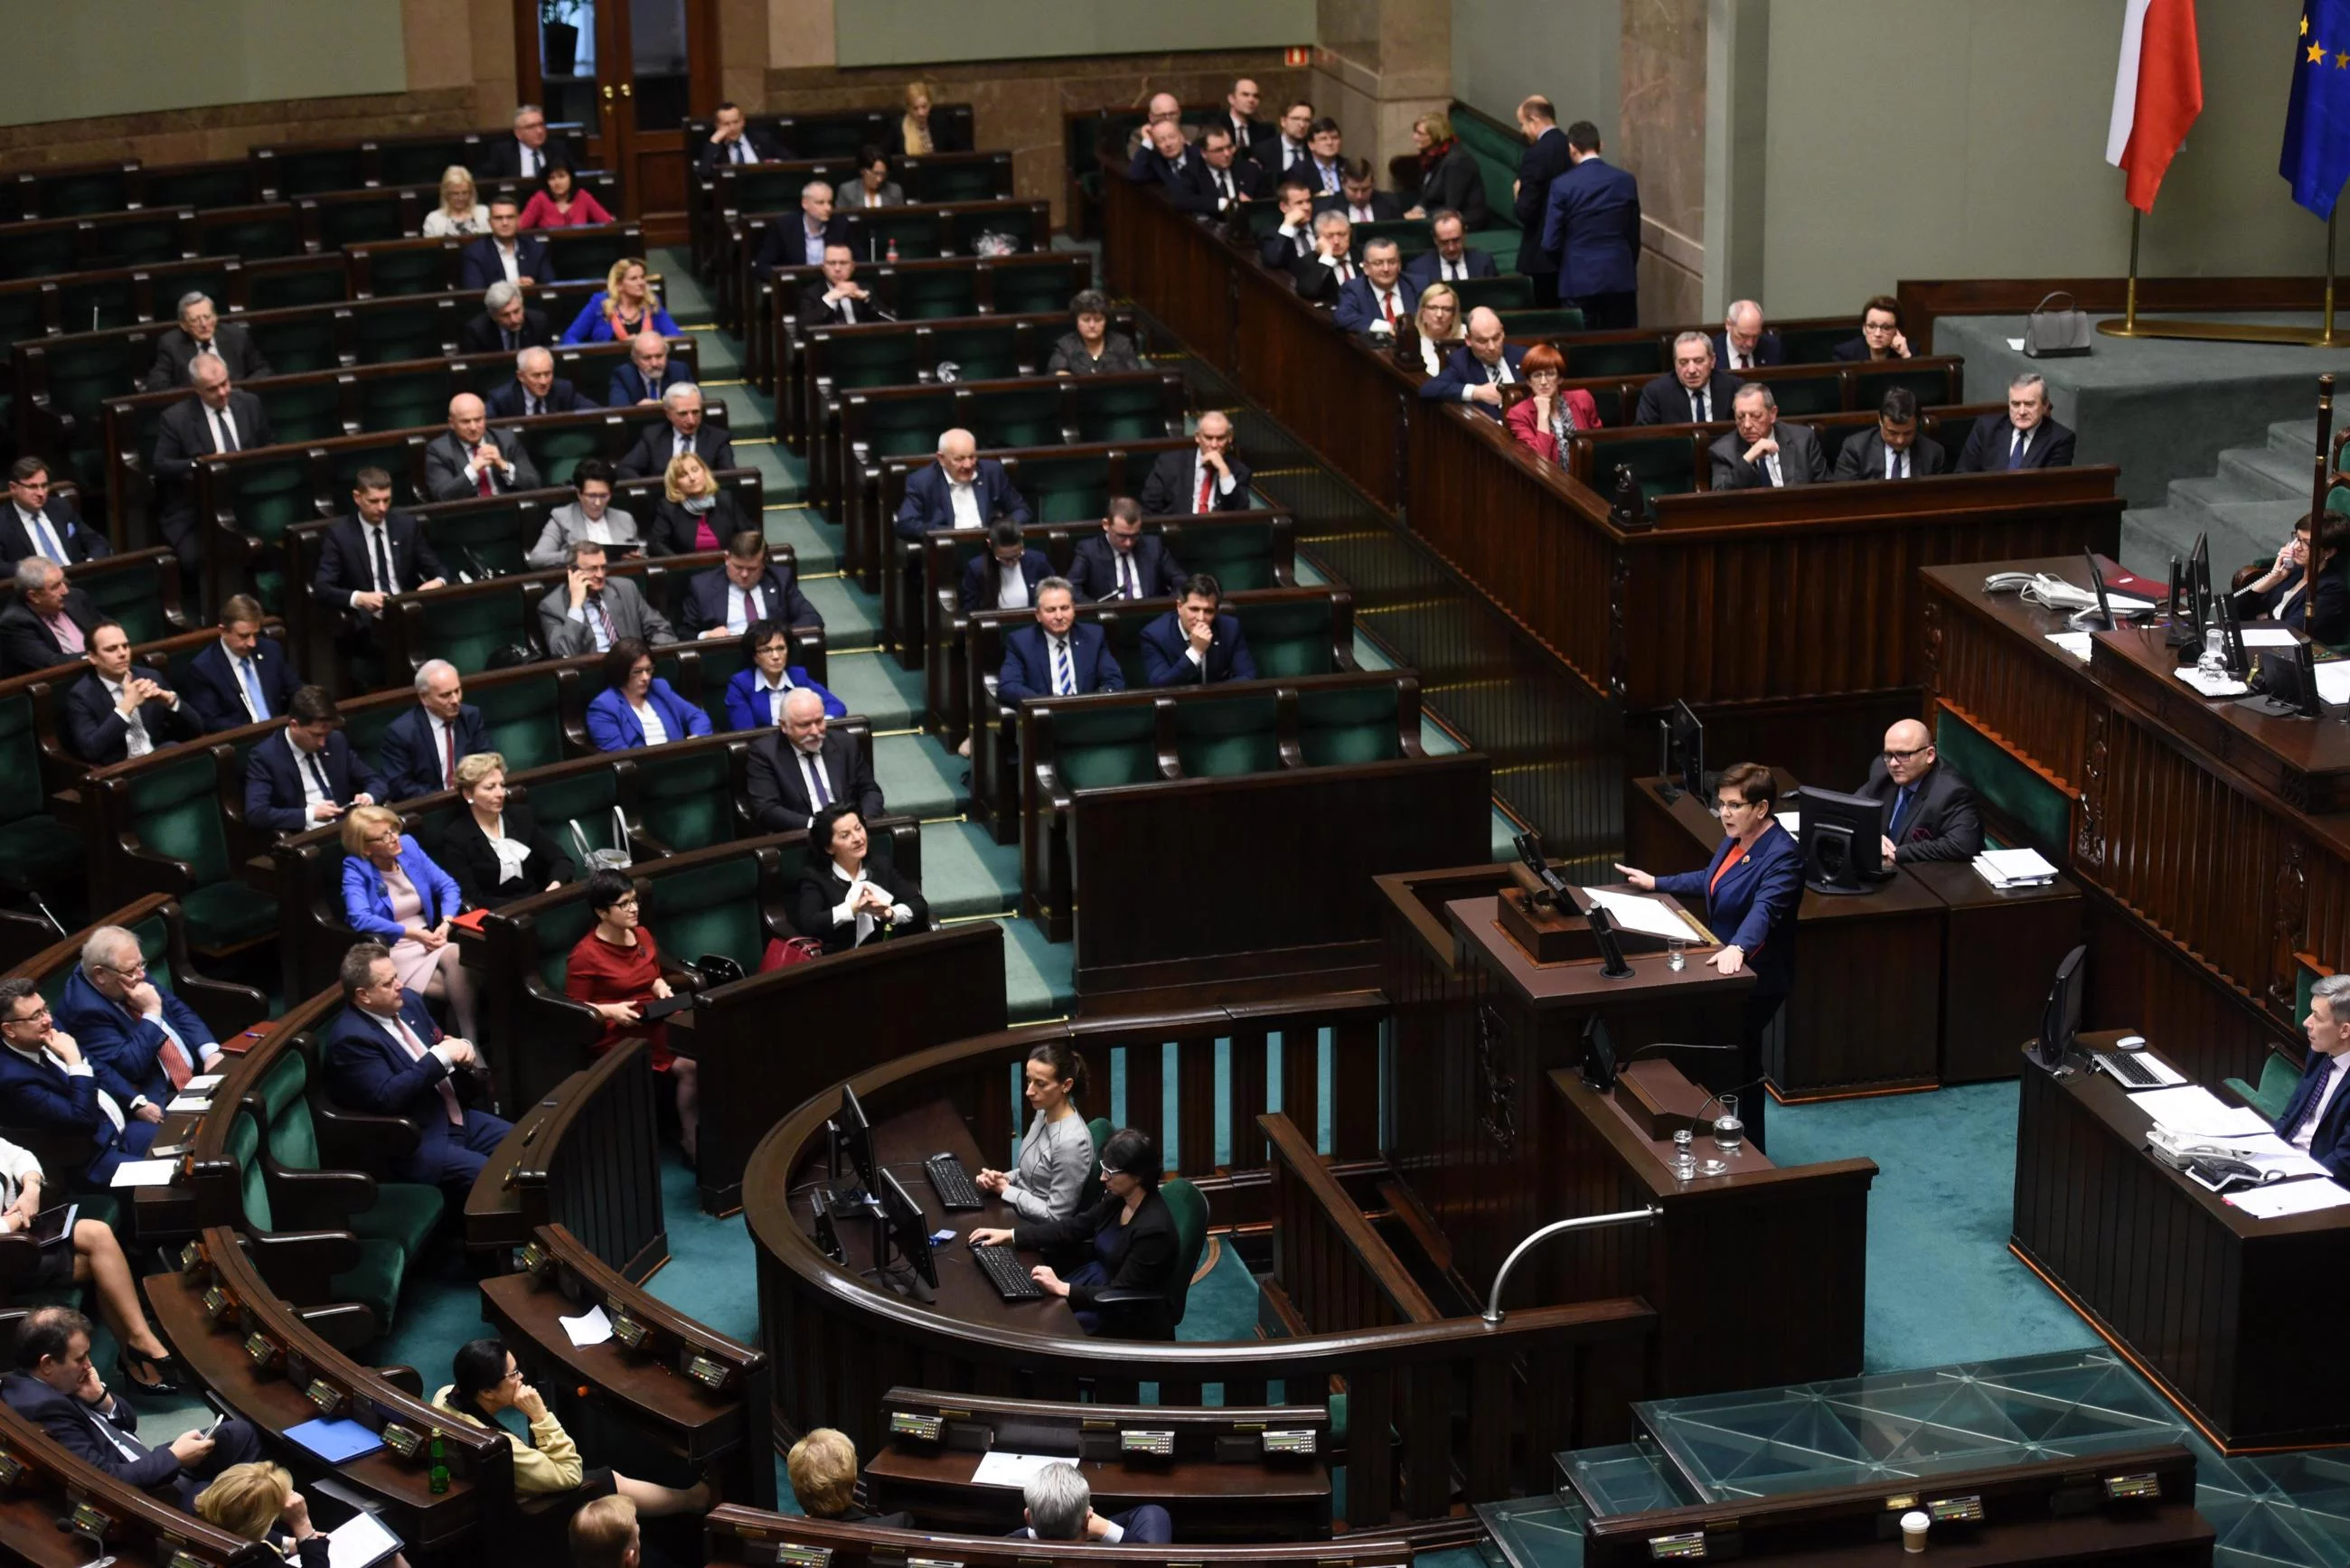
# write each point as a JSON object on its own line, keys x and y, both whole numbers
{"x": 1913, "y": 1529}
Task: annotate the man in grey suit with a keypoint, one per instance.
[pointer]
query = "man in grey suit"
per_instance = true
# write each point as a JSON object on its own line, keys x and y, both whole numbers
{"x": 1766, "y": 453}
{"x": 592, "y": 611}
{"x": 202, "y": 332}
{"x": 469, "y": 459}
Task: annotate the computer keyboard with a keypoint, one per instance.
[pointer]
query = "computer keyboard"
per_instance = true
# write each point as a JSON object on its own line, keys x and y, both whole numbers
{"x": 1007, "y": 1274}
{"x": 2136, "y": 1072}
{"x": 953, "y": 1183}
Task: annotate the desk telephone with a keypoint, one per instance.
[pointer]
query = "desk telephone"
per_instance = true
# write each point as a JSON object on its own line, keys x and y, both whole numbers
{"x": 2214, "y": 1162}
{"x": 2047, "y": 590}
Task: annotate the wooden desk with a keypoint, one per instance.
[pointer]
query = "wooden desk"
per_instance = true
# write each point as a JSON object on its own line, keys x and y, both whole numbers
{"x": 2000, "y": 948}
{"x": 1212, "y": 1502}
{"x": 2216, "y": 1307}
{"x": 740, "y": 1535}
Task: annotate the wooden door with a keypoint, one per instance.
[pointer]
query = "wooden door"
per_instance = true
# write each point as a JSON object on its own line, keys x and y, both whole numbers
{"x": 631, "y": 71}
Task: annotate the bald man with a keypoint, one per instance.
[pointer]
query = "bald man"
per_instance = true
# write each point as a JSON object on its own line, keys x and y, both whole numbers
{"x": 961, "y": 489}
{"x": 1210, "y": 478}
{"x": 1929, "y": 812}
{"x": 1479, "y": 369}
{"x": 470, "y": 458}
{"x": 1744, "y": 342}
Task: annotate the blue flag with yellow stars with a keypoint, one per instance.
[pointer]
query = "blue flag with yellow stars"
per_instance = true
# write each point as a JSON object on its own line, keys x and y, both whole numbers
{"x": 2316, "y": 158}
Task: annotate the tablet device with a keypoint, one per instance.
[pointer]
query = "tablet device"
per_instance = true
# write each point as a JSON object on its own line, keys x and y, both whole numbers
{"x": 663, "y": 1007}
{"x": 54, "y": 1224}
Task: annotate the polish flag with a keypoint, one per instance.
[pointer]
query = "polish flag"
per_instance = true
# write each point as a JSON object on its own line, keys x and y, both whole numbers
{"x": 2158, "y": 93}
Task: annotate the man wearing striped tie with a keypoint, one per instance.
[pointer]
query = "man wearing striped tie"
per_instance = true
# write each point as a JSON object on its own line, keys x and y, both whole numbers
{"x": 1059, "y": 655}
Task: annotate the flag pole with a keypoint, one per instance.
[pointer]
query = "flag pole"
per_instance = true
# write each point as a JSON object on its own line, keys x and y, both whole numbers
{"x": 2327, "y": 339}
{"x": 2129, "y": 304}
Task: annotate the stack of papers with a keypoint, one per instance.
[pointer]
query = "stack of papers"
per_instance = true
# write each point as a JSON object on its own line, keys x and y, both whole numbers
{"x": 2075, "y": 643}
{"x": 1792, "y": 821}
{"x": 2215, "y": 684}
{"x": 1001, "y": 1467}
{"x": 2190, "y": 1110}
{"x": 2268, "y": 637}
{"x": 2269, "y": 1152}
{"x": 2279, "y": 1198}
{"x": 2014, "y": 868}
{"x": 1632, "y": 912}
{"x": 590, "y": 1327}
{"x": 144, "y": 1173}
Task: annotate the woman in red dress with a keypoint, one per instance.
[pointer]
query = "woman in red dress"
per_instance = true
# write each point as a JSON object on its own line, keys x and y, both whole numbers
{"x": 616, "y": 968}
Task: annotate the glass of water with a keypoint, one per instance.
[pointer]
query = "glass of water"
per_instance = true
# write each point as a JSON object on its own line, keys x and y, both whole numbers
{"x": 1684, "y": 1157}
{"x": 1728, "y": 1132}
{"x": 1676, "y": 953}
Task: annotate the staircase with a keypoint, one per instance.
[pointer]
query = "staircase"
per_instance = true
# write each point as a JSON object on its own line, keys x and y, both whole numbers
{"x": 2248, "y": 507}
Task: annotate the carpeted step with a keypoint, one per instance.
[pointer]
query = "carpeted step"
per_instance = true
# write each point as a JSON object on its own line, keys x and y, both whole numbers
{"x": 2241, "y": 528}
{"x": 1039, "y": 976}
{"x": 876, "y": 689}
{"x": 2264, "y": 473}
{"x": 2297, "y": 436}
{"x": 918, "y": 776}
{"x": 851, "y": 617}
{"x": 816, "y": 547}
{"x": 966, "y": 872}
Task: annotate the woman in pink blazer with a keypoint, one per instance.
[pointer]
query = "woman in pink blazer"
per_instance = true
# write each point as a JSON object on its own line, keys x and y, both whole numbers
{"x": 1544, "y": 419}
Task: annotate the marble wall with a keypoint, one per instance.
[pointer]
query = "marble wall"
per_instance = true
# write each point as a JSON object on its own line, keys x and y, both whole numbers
{"x": 1661, "y": 118}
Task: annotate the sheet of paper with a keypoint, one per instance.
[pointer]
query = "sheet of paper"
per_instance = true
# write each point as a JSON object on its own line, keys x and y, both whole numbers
{"x": 144, "y": 1173}
{"x": 1633, "y": 912}
{"x": 2333, "y": 680}
{"x": 2193, "y": 1111}
{"x": 2015, "y": 345}
{"x": 2268, "y": 637}
{"x": 191, "y": 1102}
{"x": 2075, "y": 643}
{"x": 1792, "y": 821}
{"x": 359, "y": 1541}
{"x": 203, "y": 1082}
{"x": 2282, "y": 1198}
{"x": 590, "y": 1327}
{"x": 2021, "y": 863}
{"x": 1001, "y": 1467}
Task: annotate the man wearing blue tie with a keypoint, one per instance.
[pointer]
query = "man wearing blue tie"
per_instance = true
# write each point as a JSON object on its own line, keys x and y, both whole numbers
{"x": 1056, "y": 657}
{"x": 1929, "y": 812}
{"x": 242, "y": 677}
{"x": 2316, "y": 1120}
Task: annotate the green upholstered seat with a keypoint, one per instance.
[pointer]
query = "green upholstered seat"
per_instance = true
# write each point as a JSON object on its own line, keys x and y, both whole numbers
{"x": 873, "y": 360}
{"x": 404, "y": 1212}
{"x": 99, "y": 303}
{"x": 1287, "y": 639}
{"x": 400, "y": 401}
{"x": 1814, "y": 344}
{"x": 928, "y": 296}
{"x": 1497, "y": 152}
{"x": 132, "y": 243}
{"x": 766, "y": 188}
{"x": 199, "y": 185}
{"x": 1019, "y": 416}
{"x": 297, "y": 343}
{"x": 312, "y": 169}
{"x": 1639, "y": 356}
{"x": 303, "y": 414}
{"x": 499, "y": 533}
{"x": 395, "y": 270}
{"x": 82, "y": 373}
{"x": 685, "y": 799}
{"x": 1355, "y": 726}
{"x": 268, "y": 494}
{"x": 81, "y": 192}
{"x": 1801, "y": 399}
{"x": 35, "y": 849}
{"x": 1237, "y": 556}
{"x": 1663, "y": 466}
{"x": 915, "y": 234}
{"x": 173, "y": 809}
{"x": 1025, "y": 290}
{"x": 987, "y": 351}
{"x": 584, "y": 799}
{"x": 711, "y": 909}
{"x": 131, "y": 598}
{"x": 1188, "y": 1207}
{"x": 1019, "y": 223}
{"x": 1228, "y": 737}
{"x": 1929, "y": 387}
{"x": 523, "y": 720}
{"x": 1069, "y": 489}
{"x": 1264, "y": 217}
{"x": 1542, "y": 323}
{"x": 361, "y": 220}
{"x": 590, "y": 252}
{"x": 905, "y": 426}
{"x": 1411, "y": 236}
{"x": 1511, "y": 291}
{"x": 250, "y": 232}
{"x": 408, "y": 330}
{"x": 558, "y": 454}
{"x": 958, "y": 181}
{"x": 311, "y": 285}
{"x": 1110, "y": 411}
{"x": 2040, "y": 812}
{"x": 419, "y": 162}
{"x": 470, "y": 629}
{"x": 373, "y": 1280}
{"x": 559, "y": 929}
{"x": 722, "y": 659}
{"x": 1101, "y": 748}
{"x": 2279, "y": 1078}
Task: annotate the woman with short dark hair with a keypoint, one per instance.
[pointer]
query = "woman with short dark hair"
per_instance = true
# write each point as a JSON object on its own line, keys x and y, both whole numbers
{"x": 637, "y": 708}
{"x": 872, "y": 187}
{"x": 847, "y": 896}
{"x": 1128, "y": 1238}
{"x": 1092, "y": 350}
{"x": 616, "y": 968}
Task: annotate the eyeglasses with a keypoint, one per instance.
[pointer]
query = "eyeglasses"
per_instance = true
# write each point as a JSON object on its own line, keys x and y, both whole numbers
{"x": 127, "y": 972}
{"x": 1724, "y": 807}
{"x": 41, "y": 1017}
{"x": 1904, "y": 756}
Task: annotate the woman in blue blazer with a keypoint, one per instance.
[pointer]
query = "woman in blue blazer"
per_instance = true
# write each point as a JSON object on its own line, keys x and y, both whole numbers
{"x": 394, "y": 893}
{"x": 635, "y": 707}
{"x": 1753, "y": 887}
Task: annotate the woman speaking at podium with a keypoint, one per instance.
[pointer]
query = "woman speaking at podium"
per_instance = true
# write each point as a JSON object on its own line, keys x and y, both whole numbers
{"x": 1752, "y": 889}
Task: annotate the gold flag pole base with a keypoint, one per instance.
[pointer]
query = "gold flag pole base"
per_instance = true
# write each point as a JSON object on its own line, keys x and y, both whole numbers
{"x": 2324, "y": 337}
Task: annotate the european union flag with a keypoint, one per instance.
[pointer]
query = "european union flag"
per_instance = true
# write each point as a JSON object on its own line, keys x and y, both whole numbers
{"x": 2316, "y": 157}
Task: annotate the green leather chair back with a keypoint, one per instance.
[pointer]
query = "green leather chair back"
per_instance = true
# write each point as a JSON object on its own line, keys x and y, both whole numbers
{"x": 403, "y": 402}
{"x": 244, "y": 1149}
{"x": 1018, "y": 416}
{"x": 35, "y": 849}
{"x": 593, "y": 252}
{"x": 915, "y": 234}
{"x": 586, "y": 799}
{"x": 359, "y": 222}
{"x": 1411, "y": 236}
{"x": 84, "y": 193}
{"x": 1799, "y": 400}
{"x": 299, "y": 343}
{"x": 1289, "y": 638}
{"x": 523, "y": 720}
{"x": 130, "y": 244}
{"x": 929, "y": 295}
{"x": 471, "y": 629}
{"x": 985, "y": 352}
{"x": 2040, "y": 812}
{"x": 1068, "y": 488}
{"x": 1238, "y": 557}
{"x": 311, "y": 170}
{"x": 1027, "y": 290}
{"x": 685, "y": 798}
{"x": 419, "y": 162}
{"x": 313, "y": 412}
{"x": 711, "y": 909}
{"x": 874, "y": 359}
{"x": 82, "y": 375}
{"x": 1357, "y": 725}
{"x": 174, "y": 810}
{"x": 1100, "y": 749}
{"x": 500, "y": 533}
{"x": 902, "y": 426}
{"x": 395, "y": 270}
{"x": 1542, "y": 323}
{"x": 558, "y": 454}
{"x": 272, "y": 231}
{"x": 1661, "y": 464}
{"x": 1815, "y": 345}
{"x": 1641, "y": 356}
{"x": 1932, "y": 388}
{"x": 1511, "y": 291}
{"x": 199, "y": 185}
{"x": 1189, "y": 1207}
{"x": 1227, "y": 737}
{"x": 1112, "y": 411}
{"x": 416, "y": 330}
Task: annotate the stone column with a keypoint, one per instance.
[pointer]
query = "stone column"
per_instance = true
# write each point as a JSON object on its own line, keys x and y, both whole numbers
{"x": 1662, "y": 140}
{"x": 1379, "y": 65}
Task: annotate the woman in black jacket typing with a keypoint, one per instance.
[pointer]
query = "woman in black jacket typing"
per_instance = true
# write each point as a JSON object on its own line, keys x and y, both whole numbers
{"x": 1128, "y": 1241}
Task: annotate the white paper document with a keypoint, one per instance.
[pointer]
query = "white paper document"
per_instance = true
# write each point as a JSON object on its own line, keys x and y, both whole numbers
{"x": 2191, "y": 1110}
{"x": 1001, "y": 1467}
{"x": 2333, "y": 680}
{"x": 2013, "y": 867}
{"x": 2268, "y": 637}
{"x": 359, "y": 1541}
{"x": 144, "y": 1173}
{"x": 201, "y": 1084}
{"x": 2075, "y": 643}
{"x": 2270, "y": 1152}
{"x": 2215, "y": 684}
{"x": 590, "y": 1327}
{"x": 190, "y": 1102}
{"x": 2279, "y": 1198}
{"x": 1632, "y": 912}
{"x": 1792, "y": 821}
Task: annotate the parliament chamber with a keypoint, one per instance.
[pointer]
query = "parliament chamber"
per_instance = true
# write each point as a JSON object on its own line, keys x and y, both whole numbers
{"x": 886, "y": 786}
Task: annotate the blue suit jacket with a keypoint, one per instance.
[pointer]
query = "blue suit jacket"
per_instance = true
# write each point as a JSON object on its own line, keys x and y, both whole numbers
{"x": 1464, "y": 369}
{"x": 42, "y": 1095}
{"x": 779, "y": 589}
{"x": 562, "y": 398}
{"x": 1591, "y": 229}
{"x": 927, "y": 504}
{"x": 978, "y": 591}
{"x": 120, "y": 1042}
{"x": 1421, "y": 269}
{"x": 367, "y": 1070}
{"x": 72, "y": 1425}
{"x": 478, "y": 265}
{"x": 1358, "y": 306}
{"x": 210, "y": 684}
{"x": 366, "y": 902}
{"x": 613, "y": 726}
{"x": 1167, "y": 662}
{"x": 1755, "y": 908}
{"x": 627, "y": 385}
{"x": 410, "y": 758}
{"x": 1028, "y": 665}
{"x": 273, "y": 788}
{"x": 2330, "y": 1145}
{"x": 744, "y": 711}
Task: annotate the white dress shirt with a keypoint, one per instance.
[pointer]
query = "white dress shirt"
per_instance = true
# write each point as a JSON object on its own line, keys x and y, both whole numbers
{"x": 310, "y": 767}
{"x": 840, "y": 911}
{"x": 226, "y": 437}
{"x": 964, "y": 499}
{"x": 509, "y": 255}
{"x": 1201, "y": 471}
{"x": 48, "y": 541}
{"x": 1011, "y": 586}
{"x": 1897, "y": 464}
{"x": 1498, "y": 374}
{"x": 648, "y": 717}
{"x": 771, "y": 697}
{"x": 744, "y": 605}
{"x": 134, "y": 726}
{"x": 444, "y": 735}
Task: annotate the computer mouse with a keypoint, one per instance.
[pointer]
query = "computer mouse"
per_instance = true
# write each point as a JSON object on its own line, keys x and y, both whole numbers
{"x": 2130, "y": 1043}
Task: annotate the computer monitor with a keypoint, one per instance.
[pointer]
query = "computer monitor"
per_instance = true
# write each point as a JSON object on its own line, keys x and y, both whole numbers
{"x": 852, "y": 1142}
{"x": 2199, "y": 579}
{"x": 1682, "y": 748}
{"x": 2060, "y": 1019}
{"x": 1842, "y": 840}
{"x": 2231, "y": 639}
{"x": 2102, "y": 618}
{"x": 909, "y": 1232}
{"x": 1599, "y": 1055}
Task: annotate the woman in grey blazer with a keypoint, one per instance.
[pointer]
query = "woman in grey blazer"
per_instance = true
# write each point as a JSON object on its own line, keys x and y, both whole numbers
{"x": 592, "y": 516}
{"x": 872, "y": 187}
{"x": 1057, "y": 1154}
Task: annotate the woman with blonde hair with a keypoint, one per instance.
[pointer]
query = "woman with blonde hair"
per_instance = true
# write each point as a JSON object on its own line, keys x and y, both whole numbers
{"x": 823, "y": 1469}
{"x": 1436, "y": 325}
{"x": 626, "y": 307}
{"x": 459, "y": 212}
{"x": 1449, "y": 179}
{"x": 914, "y": 135}
{"x": 257, "y": 1500}
{"x": 394, "y": 894}
{"x": 693, "y": 513}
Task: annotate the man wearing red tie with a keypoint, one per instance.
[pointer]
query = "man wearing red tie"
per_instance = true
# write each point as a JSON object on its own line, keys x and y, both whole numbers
{"x": 421, "y": 748}
{"x": 1382, "y": 298}
{"x": 147, "y": 1038}
{"x": 1207, "y": 479}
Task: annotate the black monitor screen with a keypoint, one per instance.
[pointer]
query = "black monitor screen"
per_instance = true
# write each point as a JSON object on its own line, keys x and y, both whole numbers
{"x": 1598, "y": 1054}
{"x": 2060, "y": 1021}
{"x": 1686, "y": 739}
{"x": 1843, "y": 839}
{"x": 908, "y": 1229}
{"x": 856, "y": 1137}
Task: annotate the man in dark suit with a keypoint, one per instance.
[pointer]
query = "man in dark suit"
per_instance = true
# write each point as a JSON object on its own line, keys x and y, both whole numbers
{"x": 2316, "y": 1120}
{"x": 48, "y": 624}
{"x": 1381, "y": 298}
{"x": 1209, "y": 478}
{"x": 1321, "y": 276}
{"x": 38, "y": 523}
{"x": 218, "y": 418}
{"x": 1478, "y": 370}
{"x": 56, "y": 1387}
{"x": 1453, "y": 260}
{"x": 1004, "y": 576}
{"x": 1744, "y": 344}
{"x": 523, "y": 155}
{"x": 507, "y": 325}
{"x": 421, "y": 748}
{"x": 1544, "y": 160}
{"x": 385, "y": 1056}
{"x": 1192, "y": 644}
{"x": 1168, "y": 162}
{"x": 1591, "y": 234}
{"x": 1239, "y": 120}
{"x": 505, "y": 255}
{"x": 1327, "y": 163}
{"x": 1358, "y": 195}
{"x": 1059, "y": 1507}
{"x": 648, "y": 373}
{"x": 114, "y": 713}
{"x": 536, "y": 389}
{"x": 1122, "y": 562}
{"x": 1892, "y": 450}
{"x": 961, "y": 489}
{"x": 800, "y": 242}
{"x": 242, "y": 676}
{"x": 751, "y": 587}
{"x": 837, "y": 299}
{"x": 1929, "y": 812}
{"x": 1232, "y": 178}
{"x": 1292, "y": 243}
{"x": 469, "y": 459}
{"x": 146, "y": 1035}
{"x": 2026, "y": 436}
{"x": 685, "y": 433}
{"x": 310, "y": 773}
{"x": 46, "y": 1081}
{"x": 1285, "y": 151}
{"x": 800, "y": 770}
{"x": 731, "y": 140}
{"x": 1057, "y": 657}
{"x": 589, "y": 611}
{"x": 201, "y": 333}
{"x": 1766, "y": 453}
{"x": 1697, "y": 392}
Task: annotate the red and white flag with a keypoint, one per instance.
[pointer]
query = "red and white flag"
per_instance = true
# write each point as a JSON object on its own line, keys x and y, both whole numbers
{"x": 2158, "y": 93}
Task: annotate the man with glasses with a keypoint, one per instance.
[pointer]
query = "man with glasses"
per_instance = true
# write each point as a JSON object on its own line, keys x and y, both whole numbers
{"x": 2026, "y": 436}
{"x": 1929, "y": 812}
{"x": 38, "y": 523}
{"x": 523, "y": 155}
{"x": 46, "y": 1081}
{"x": 203, "y": 335}
{"x": 152, "y": 1041}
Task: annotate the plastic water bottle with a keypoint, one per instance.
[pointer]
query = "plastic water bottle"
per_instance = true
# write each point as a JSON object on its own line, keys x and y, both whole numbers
{"x": 893, "y": 249}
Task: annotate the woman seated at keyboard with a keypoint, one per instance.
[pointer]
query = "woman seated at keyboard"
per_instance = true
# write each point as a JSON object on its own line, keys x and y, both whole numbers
{"x": 1057, "y": 1155}
{"x": 1131, "y": 1236}
{"x": 489, "y": 1381}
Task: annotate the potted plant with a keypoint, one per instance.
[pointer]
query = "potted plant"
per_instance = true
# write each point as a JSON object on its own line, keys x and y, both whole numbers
{"x": 558, "y": 33}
